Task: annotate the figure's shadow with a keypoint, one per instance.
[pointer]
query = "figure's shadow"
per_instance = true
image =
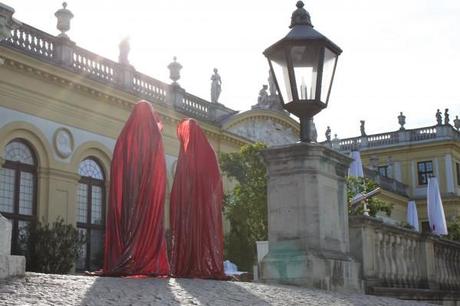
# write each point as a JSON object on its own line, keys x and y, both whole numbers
{"x": 167, "y": 291}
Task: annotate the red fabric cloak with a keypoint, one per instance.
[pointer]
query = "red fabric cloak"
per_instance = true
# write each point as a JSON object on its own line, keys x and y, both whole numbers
{"x": 134, "y": 238}
{"x": 196, "y": 207}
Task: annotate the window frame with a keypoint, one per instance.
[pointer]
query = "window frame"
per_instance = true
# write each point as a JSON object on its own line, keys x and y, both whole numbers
{"x": 88, "y": 226}
{"x": 15, "y": 216}
{"x": 425, "y": 174}
{"x": 385, "y": 168}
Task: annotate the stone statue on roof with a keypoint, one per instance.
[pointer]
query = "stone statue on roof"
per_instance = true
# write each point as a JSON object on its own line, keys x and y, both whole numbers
{"x": 124, "y": 48}
{"x": 216, "y": 86}
{"x": 438, "y": 117}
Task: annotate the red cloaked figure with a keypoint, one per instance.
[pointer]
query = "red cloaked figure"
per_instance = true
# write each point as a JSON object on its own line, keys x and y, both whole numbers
{"x": 196, "y": 207}
{"x": 135, "y": 243}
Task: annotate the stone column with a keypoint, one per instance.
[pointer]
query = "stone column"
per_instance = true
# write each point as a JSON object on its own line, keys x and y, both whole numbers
{"x": 175, "y": 95}
{"x": 63, "y": 51}
{"x": 9, "y": 265}
{"x": 308, "y": 219}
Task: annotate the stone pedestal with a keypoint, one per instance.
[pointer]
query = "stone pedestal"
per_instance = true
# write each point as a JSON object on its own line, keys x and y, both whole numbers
{"x": 9, "y": 265}
{"x": 308, "y": 219}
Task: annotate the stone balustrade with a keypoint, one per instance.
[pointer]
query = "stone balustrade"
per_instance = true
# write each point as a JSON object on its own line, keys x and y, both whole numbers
{"x": 386, "y": 183}
{"x": 396, "y": 257}
{"x": 31, "y": 41}
{"x": 62, "y": 52}
{"x": 441, "y": 132}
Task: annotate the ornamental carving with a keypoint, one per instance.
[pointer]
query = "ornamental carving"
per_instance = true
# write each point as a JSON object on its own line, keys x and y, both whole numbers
{"x": 63, "y": 142}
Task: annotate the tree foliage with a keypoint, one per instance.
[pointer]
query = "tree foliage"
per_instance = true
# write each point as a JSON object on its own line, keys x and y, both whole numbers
{"x": 51, "y": 249}
{"x": 453, "y": 230}
{"x": 357, "y": 185}
{"x": 246, "y": 205}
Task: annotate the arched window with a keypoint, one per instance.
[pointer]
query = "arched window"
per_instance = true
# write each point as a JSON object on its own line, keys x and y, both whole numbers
{"x": 91, "y": 213}
{"x": 18, "y": 188}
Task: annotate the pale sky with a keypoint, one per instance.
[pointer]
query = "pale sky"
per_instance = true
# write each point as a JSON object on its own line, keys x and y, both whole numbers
{"x": 398, "y": 55}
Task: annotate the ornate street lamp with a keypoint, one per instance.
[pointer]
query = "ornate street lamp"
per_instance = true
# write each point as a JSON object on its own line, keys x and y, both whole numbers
{"x": 303, "y": 65}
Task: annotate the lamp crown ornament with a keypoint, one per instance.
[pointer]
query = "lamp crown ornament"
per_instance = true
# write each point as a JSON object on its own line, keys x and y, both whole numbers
{"x": 300, "y": 16}
{"x": 63, "y": 16}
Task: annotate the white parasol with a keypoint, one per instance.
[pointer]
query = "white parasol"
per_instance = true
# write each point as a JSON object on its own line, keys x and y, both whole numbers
{"x": 412, "y": 216}
{"x": 356, "y": 167}
{"x": 435, "y": 210}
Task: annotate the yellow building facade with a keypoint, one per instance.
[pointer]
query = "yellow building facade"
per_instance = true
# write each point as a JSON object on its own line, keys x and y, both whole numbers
{"x": 410, "y": 157}
{"x": 61, "y": 111}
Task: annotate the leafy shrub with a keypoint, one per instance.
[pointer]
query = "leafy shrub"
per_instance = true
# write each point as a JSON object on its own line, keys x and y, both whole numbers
{"x": 246, "y": 205}
{"x": 51, "y": 249}
{"x": 356, "y": 185}
{"x": 453, "y": 230}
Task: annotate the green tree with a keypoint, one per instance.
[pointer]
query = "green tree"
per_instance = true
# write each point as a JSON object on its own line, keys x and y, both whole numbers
{"x": 246, "y": 205}
{"x": 356, "y": 185}
{"x": 453, "y": 230}
{"x": 51, "y": 249}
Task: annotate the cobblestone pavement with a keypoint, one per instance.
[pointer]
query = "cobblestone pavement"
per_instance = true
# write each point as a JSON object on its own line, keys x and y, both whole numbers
{"x": 43, "y": 289}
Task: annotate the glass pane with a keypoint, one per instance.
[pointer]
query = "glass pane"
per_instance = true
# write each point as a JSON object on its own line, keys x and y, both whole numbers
{"x": 97, "y": 249}
{"x": 429, "y": 167}
{"x": 305, "y": 86}
{"x": 90, "y": 168}
{"x": 23, "y": 236}
{"x": 328, "y": 73}
{"x": 421, "y": 167}
{"x": 6, "y": 190}
{"x": 96, "y": 205}
{"x": 81, "y": 260}
{"x": 82, "y": 203}
{"x": 17, "y": 151}
{"x": 282, "y": 77}
{"x": 26, "y": 189}
{"x": 305, "y": 61}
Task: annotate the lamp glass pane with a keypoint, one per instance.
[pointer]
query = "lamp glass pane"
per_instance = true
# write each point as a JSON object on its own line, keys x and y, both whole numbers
{"x": 330, "y": 58}
{"x": 280, "y": 71}
{"x": 305, "y": 61}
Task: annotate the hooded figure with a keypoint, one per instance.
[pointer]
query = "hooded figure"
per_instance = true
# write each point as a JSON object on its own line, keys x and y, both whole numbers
{"x": 196, "y": 207}
{"x": 134, "y": 238}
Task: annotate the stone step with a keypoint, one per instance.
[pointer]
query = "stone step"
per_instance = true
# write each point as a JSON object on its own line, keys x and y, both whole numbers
{"x": 416, "y": 294}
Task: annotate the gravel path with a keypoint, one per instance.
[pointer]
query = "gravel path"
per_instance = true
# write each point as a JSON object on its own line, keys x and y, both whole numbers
{"x": 46, "y": 289}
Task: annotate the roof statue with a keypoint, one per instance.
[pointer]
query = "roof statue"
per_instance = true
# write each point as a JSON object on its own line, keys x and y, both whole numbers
{"x": 124, "y": 48}
{"x": 438, "y": 117}
{"x": 216, "y": 86}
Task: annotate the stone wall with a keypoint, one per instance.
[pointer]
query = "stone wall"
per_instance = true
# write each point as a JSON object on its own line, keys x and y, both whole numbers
{"x": 9, "y": 265}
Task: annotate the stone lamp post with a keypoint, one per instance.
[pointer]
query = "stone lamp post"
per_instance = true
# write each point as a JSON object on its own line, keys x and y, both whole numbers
{"x": 307, "y": 207}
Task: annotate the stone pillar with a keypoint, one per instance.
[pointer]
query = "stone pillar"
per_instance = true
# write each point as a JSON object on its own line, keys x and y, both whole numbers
{"x": 308, "y": 219}
{"x": 9, "y": 265}
{"x": 175, "y": 95}
{"x": 63, "y": 51}
{"x": 124, "y": 75}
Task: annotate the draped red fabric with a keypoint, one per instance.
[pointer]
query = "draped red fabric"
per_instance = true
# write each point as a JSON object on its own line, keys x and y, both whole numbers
{"x": 134, "y": 238}
{"x": 196, "y": 207}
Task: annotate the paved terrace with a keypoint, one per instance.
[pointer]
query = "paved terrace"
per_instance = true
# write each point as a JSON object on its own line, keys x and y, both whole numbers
{"x": 47, "y": 289}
